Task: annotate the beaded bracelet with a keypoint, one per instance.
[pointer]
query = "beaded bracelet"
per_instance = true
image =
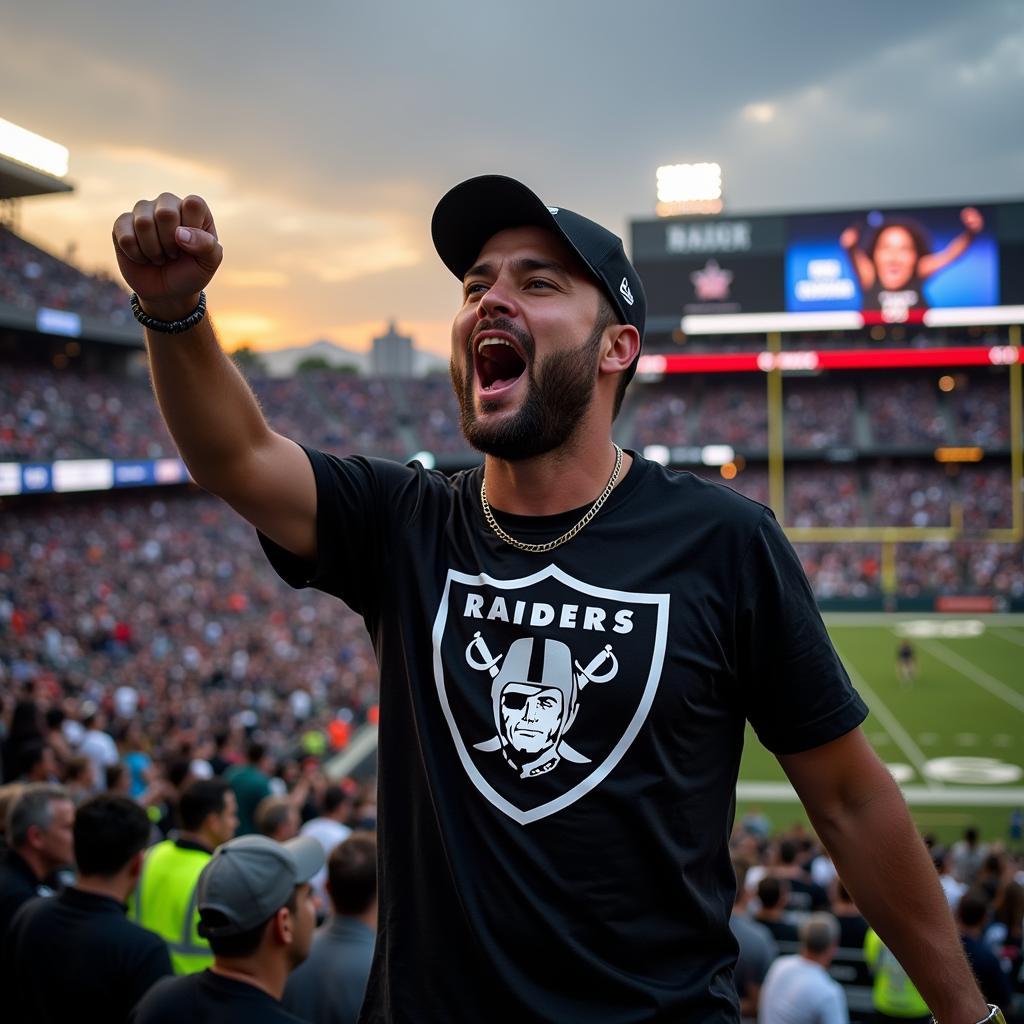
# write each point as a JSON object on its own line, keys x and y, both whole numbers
{"x": 168, "y": 326}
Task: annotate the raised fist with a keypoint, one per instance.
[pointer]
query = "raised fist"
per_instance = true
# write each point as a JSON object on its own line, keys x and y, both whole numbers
{"x": 167, "y": 251}
{"x": 849, "y": 238}
{"x": 972, "y": 220}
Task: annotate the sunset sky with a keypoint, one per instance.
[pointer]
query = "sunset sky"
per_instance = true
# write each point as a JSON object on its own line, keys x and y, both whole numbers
{"x": 323, "y": 133}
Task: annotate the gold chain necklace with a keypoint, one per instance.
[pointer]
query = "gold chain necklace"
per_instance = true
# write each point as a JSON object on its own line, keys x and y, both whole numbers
{"x": 567, "y": 536}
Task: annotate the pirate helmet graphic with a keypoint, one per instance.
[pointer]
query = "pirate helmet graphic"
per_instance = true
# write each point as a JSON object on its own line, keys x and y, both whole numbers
{"x": 535, "y": 697}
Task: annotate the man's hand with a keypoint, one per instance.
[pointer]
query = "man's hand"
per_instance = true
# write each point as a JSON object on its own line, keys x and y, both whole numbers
{"x": 167, "y": 251}
{"x": 972, "y": 220}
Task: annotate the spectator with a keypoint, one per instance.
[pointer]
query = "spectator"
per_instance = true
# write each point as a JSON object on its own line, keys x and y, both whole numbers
{"x": 36, "y": 762}
{"x": 328, "y": 830}
{"x": 968, "y": 855}
{"x": 78, "y": 780}
{"x": 24, "y": 730}
{"x": 853, "y": 929}
{"x": 99, "y": 747}
{"x": 804, "y": 895}
{"x": 165, "y": 898}
{"x": 251, "y": 784}
{"x": 772, "y": 894}
{"x": 8, "y": 794}
{"x": 39, "y": 838}
{"x": 757, "y": 948}
{"x": 277, "y": 818}
{"x": 105, "y": 961}
{"x": 256, "y": 910}
{"x": 953, "y": 888}
{"x": 329, "y": 987}
{"x": 972, "y": 913}
{"x": 798, "y": 988}
{"x": 893, "y": 994}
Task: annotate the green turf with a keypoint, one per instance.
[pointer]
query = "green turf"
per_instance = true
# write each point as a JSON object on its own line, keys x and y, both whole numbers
{"x": 967, "y": 701}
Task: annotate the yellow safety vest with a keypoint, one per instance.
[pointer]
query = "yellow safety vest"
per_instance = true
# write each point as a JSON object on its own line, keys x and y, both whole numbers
{"x": 165, "y": 903}
{"x": 893, "y": 993}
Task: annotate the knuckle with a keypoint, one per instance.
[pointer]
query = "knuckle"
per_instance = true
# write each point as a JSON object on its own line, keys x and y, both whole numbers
{"x": 165, "y": 215}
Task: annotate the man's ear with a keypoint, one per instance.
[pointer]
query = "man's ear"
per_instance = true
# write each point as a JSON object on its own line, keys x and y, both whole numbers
{"x": 283, "y": 926}
{"x": 622, "y": 344}
{"x": 135, "y": 865}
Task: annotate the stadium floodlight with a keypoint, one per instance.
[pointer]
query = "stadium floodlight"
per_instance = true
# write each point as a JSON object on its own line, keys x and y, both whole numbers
{"x": 425, "y": 459}
{"x": 28, "y": 148}
{"x": 689, "y": 188}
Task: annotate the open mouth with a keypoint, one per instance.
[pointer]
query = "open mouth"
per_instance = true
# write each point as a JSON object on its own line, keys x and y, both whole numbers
{"x": 499, "y": 364}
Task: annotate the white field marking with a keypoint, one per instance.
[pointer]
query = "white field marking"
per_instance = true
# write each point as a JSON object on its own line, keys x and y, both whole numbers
{"x": 927, "y": 739}
{"x": 888, "y": 620}
{"x": 1012, "y": 637}
{"x": 1002, "y": 739}
{"x": 966, "y": 739}
{"x": 976, "y": 675}
{"x": 965, "y": 796}
{"x": 914, "y": 754}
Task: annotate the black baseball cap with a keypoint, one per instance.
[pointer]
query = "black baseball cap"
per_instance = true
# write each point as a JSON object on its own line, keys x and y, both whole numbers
{"x": 477, "y": 209}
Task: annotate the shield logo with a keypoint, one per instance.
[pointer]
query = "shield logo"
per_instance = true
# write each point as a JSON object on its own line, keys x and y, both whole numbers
{"x": 545, "y": 682}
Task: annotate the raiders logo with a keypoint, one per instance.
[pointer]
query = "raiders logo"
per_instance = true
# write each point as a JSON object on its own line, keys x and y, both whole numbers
{"x": 545, "y": 682}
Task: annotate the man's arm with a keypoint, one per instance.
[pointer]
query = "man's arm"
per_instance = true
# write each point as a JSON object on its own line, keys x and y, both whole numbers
{"x": 168, "y": 251}
{"x": 861, "y": 817}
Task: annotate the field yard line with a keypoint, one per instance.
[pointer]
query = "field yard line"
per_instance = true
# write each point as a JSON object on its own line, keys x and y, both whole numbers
{"x": 961, "y": 796}
{"x": 976, "y": 675}
{"x": 891, "y": 724}
{"x": 1012, "y": 637}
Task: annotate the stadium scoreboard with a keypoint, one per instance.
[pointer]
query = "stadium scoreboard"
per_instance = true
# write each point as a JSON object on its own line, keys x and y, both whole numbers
{"x": 951, "y": 265}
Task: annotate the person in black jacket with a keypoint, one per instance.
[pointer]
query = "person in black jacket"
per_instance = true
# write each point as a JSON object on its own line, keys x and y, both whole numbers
{"x": 106, "y": 962}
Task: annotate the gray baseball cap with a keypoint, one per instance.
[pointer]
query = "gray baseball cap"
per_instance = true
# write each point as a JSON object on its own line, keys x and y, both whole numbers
{"x": 249, "y": 879}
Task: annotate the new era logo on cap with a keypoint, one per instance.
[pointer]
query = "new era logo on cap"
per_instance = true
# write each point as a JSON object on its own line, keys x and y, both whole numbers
{"x": 626, "y": 293}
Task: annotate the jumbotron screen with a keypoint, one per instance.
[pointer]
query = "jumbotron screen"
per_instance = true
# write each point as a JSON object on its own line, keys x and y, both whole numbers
{"x": 837, "y": 270}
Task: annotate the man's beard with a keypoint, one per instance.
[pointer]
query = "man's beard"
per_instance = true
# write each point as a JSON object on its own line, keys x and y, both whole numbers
{"x": 557, "y": 396}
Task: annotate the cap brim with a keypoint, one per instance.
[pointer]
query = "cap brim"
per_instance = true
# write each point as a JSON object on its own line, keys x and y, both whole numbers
{"x": 476, "y": 210}
{"x": 309, "y": 857}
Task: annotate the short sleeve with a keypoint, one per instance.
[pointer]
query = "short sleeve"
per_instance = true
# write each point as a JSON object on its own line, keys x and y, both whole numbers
{"x": 357, "y": 499}
{"x": 794, "y": 688}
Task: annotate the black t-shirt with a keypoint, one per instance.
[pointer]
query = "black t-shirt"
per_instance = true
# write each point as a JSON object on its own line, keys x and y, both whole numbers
{"x": 76, "y": 951}
{"x": 208, "y": 998}
{"x": 560, "y": 735}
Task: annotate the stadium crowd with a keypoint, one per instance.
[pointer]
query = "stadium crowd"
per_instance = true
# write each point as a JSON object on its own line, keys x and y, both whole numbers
{"x": 31, "y": 278}
{"x": 47, "y": 414}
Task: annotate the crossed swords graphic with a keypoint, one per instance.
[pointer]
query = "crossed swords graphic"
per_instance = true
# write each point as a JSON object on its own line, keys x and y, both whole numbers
{"x": 583, "y": 675}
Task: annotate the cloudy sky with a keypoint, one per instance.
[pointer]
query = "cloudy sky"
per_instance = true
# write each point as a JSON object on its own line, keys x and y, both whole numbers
{"x": 322, "y": 133}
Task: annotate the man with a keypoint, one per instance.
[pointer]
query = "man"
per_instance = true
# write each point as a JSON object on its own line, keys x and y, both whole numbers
{"x": 329, "y": 987}
{"x": 277, "y": 818}
{"x": 39, "y": 838}
{"x": 798, "y": 988}
{"x": 773, "y": 895}
{"x": 328, "y": 830}
{"x": 99, "y": 746}
{"x": 972, "y": 915}
{"x": 598, "y": 889}
{"x": 256, "y": 910}
{"x": 250, "y": 784}
{"x": 105, "y": 961}
{"x": 37, "y": 763}
{"x": 804, "y": 895}
{"x": 757, "y": 947}
{"x": 893, "y": 994}
{"x": 165, "y": 900}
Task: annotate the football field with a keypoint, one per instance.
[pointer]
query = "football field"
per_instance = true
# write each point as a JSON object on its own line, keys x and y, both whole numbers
{"x": 954, "y": 738}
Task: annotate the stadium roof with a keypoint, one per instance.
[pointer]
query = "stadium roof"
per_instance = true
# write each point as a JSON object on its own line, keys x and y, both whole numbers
{"x": 18, "y": 179}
